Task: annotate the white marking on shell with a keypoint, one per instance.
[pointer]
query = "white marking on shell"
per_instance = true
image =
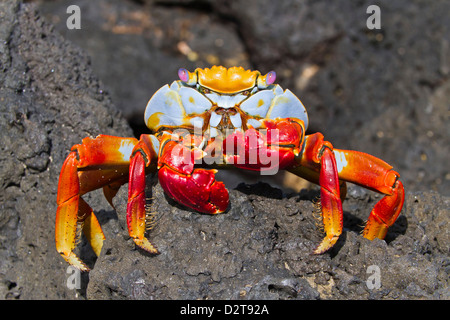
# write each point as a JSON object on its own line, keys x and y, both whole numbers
{"x": 167, "y": 104}
{"x": 275, "y": 103}
{"x": 254, "y": 123}
{"x": 213, "y": 132}
{"x": 193, "y": 101}
{"x": 175, "y": 85}
{"x": 215, "y": 119}
{"x": 155, "y": 143}
{"x": 173, "y": 104}
{"x": 197, "y": 122}
{"x": 236, "y": 120}
{"x": 259, "y": 103}
{"x": 226, "y": 101}
{"x": 287, "y": 105}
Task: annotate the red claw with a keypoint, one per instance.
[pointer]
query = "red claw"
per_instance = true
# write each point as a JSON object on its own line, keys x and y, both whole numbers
{"x": 266, "y": 150}
{"x": 198, "y": 191}
{"x": 194, "y": 188}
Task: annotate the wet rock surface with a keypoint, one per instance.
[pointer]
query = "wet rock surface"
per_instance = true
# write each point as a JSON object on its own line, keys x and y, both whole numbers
{"x": 391, "y": 101}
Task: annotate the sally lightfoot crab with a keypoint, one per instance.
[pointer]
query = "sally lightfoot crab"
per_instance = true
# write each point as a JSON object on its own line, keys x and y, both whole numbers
{"x": 207, "y": 120}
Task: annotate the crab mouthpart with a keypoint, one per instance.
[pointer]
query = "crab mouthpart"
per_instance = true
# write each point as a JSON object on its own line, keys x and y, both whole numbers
{"x": 224, "y": 120}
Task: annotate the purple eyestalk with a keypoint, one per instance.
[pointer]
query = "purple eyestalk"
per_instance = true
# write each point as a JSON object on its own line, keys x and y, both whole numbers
{"x": 183, "y": 74}
{"x": 270, "y": 77}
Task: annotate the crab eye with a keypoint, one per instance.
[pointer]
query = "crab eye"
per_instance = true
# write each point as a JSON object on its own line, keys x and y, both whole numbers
{"x": 265, "y": 81}
{"x": 245, "y": 93}
{"x": 206, "y": 90}
{"x": 270, "y": 77}
{"x": 183, "y": 74}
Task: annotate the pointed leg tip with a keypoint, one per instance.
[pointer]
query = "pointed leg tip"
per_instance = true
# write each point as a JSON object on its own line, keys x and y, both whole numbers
{"x": 326, "y": 244}
{"x": 146, "y": 245}
{"x": 75, "y": 262}
{"x": 85, "y": 269}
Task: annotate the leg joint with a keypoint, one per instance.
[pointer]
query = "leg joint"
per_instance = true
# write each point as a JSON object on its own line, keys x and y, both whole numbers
{"x": 314, "y": 148}
{"x": 147, "y": 148}
{"x": 326, "y": 145}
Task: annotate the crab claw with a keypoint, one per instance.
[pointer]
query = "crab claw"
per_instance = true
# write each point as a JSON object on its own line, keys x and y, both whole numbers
{"x": 198, "y": 191}
{"x": 194, "y": 188}
{"x": 268, "y": 150}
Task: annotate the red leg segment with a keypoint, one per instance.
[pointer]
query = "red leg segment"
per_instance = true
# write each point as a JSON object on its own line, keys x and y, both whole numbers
{"x": 330, "y": 200}
{"x": 318, "y": 165}
{"x": 385, "y": 213}
{"x": 143, "y": 158}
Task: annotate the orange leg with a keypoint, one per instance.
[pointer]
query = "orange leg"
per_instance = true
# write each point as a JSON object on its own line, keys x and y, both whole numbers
{"x": 96, "y": 163}
{"x": 372, "y": 173}
{"x": 322, "y": 164}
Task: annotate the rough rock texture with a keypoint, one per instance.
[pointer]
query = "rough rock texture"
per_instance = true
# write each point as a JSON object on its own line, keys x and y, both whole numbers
{"x": 49, "y": 100}
{"x": 384, "y": 92}
{"x": 261, "y": 249}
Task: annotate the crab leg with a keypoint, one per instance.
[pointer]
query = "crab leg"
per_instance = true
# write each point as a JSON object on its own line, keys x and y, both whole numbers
{"x": 96, "y": 163}
{"x": 322, "y": 164}
{"x": 143, "y": 156}
{"x": 67, "y": 212}
{"x": 372, "y": 173}
{"x": 330, "y": 200}
{"x": 72, "y": 212}
{"x": 318, "y": 164}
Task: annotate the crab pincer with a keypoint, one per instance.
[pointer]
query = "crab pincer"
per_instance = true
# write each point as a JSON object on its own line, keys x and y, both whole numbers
{"x": 195, "y": 188}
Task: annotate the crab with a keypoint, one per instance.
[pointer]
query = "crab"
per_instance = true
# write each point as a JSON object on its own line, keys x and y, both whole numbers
{"x": 210, "y": 119}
